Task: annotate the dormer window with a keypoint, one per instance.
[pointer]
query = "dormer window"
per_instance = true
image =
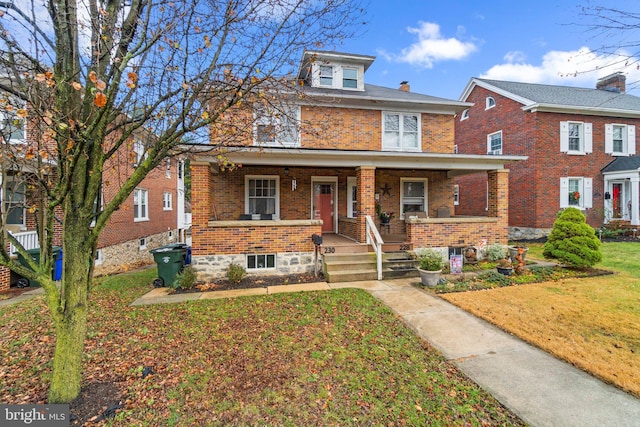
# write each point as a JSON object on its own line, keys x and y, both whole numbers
{"x": 349, "y": 78}
{"x": 338, "y": 76}
{"x": 490, "y": 102}
{"x": 326, "y": 75}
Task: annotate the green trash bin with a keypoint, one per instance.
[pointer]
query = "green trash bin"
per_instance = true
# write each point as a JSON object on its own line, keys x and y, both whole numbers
{"x": 170, "y": 260}
{"x": 56, "y": 269}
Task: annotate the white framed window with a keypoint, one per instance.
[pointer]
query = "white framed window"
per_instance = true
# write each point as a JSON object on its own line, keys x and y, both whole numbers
{"x": 576, "y": 138}
{"x": 140, "y": 152}
{"x": 464, "y": 115}
{"x": 577, "y": 192}
{"x": 490, "y": 102}
{"x": 326, "y": 75}
{"x": 456, "y": 195}
{"x": 261, "y": 261}
{"x": 140, "y": 205}
{"x": 167, "y": 171}
{"x": 99, "y": 257}
{"x": 494, "y": 143}
{"x": 12, "y": 128}
{"x": 262, "y": 195}
{"x": 413, "y": 196}
{"x": 620, "y": 140}
{"x": 276, "y": 128}
{"x": 352, "y": 197}
{"x": 401, "y": 131}
{"x": 167, "y": 201}
{"x": 142, "y": 244}
{"x": 349, "y": 78}
{"x": 14, "y": 201}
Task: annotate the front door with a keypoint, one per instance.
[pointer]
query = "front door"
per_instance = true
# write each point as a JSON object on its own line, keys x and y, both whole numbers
{"x": 323, "y": 205}
{"x": 619, "y": 201}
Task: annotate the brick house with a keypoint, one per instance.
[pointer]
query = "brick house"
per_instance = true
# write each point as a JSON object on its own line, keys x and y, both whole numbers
{"x": 342, "y": 152}
{"x": 569, "y": 135}
{"x": 152, "y": 216}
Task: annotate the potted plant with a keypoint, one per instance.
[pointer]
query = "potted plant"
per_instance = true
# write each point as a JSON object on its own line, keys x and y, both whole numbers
{"x": 505, "y": 267}
{"x": 385, "y": 217}
{"x": 430, "y": 267}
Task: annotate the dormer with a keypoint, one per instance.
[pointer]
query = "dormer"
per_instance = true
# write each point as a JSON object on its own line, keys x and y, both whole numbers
{"x": 334, "y": 70}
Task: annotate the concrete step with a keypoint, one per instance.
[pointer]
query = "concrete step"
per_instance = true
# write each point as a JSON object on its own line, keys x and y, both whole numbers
{"x": 354, "y": 267}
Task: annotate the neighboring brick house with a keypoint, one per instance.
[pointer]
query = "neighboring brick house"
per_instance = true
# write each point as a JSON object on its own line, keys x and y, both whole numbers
{"x": 569, "y": 135}
{"x": 323, "y": 167}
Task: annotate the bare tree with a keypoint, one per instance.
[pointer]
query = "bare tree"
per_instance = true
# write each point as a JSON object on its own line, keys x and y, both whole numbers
{"x": 87, "y": 76}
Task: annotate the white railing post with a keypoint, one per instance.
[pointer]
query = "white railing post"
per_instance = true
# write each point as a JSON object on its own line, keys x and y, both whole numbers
{"x": 374, "y": 239}
{"x": 28, "y": 239}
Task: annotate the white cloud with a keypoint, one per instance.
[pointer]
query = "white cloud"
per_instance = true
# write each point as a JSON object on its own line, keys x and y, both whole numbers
{"x": 580, "y": 67}
{"x": 431, "y": 46}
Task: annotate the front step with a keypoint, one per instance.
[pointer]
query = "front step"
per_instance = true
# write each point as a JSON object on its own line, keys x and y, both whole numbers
{"x": 362, "y": 266}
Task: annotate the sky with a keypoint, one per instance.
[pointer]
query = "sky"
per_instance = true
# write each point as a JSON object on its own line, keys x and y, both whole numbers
{"x": 438, "y": 46}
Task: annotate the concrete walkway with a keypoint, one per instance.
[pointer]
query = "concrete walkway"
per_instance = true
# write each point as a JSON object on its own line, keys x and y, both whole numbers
{"x": 539, "y": 388}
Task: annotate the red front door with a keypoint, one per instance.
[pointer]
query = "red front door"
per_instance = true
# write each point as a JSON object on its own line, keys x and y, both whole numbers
{"x": 323, "y": 205}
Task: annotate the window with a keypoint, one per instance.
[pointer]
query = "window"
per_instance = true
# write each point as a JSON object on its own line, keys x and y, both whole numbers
{"x": 414, "y": 195}
{"x": 99, "y": 257}
{"x": 576, "y": 192}
{"x": 180, "y": 169}
{"x": 350, "y": 78}
{"x": 576, "y": 138}
{"x": 490, "y": 103}
{"x": 456, "y": 195}
{"x": 326, "y": 75}
{"x": 352, "y": 194}
{"x": 139, "y": 152}
{"x": 494, "y": 143}
{"x": 400, "y": 131}
{"x": 464, "y": 115}
{"x": 15, "y": 200}
{"x": 168, "y": 169}
{"x": 255, "y": 261}
{"x": 167, "y": 199}
{"x": 620, "y": 140}
{"x": 275, "y": 128}
{"x": 140, "y": 205}
{"x": 142, "y": 244}
{"x": 12, "y": 128}
{"x": 262, "y": 195}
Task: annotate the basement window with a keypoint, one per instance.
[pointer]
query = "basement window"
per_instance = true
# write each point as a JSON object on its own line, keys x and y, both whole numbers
{"x": 261, "y": 261}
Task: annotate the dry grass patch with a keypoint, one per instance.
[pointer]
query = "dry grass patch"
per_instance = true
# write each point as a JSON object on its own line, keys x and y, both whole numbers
{"x": 592, "y": 323}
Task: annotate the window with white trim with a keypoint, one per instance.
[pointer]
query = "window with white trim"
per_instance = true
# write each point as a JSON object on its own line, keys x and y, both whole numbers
{"x": 349, "y": 78}
{"x": 400, "y": 131}
{"x": 577, "y": 192}
{"x": 140, "y": 205}
{"x": 167, "y": 172}
{"x": 142, "y": 244}
{"x": 277, "y": 128}
{"x": 456, "y": 195}
{"x": 261, "y": 261}
{"x": 262, "y": 195}
{"x": 15, "y": 199}
{"x": 464, "y": 115}
{"x": 140, "y": 153}
{"x": 167, "y": 201}
{"x": 12, "y": 128}
{"x": 99, "y": 257}
{"x": 489, "y": 102}
{"x": 326, "y": 75}
{"x": 620, "y": 140}
{"x": 352, "y": 197}
{"x": 576, "y": 138}
{"x": 494, "y": 143}
{"x": 413, "y": 196}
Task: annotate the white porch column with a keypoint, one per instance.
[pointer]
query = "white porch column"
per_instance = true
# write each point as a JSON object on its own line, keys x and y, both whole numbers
{"x": 635, "y": 199}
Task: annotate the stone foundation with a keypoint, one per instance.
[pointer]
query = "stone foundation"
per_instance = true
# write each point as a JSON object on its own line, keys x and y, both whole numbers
{"x": 525, "y": 233}
{"x": 212, "y": 267}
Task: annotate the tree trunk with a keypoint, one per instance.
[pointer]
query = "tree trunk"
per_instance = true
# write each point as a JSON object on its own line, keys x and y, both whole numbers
{"x": 71, "y": 316}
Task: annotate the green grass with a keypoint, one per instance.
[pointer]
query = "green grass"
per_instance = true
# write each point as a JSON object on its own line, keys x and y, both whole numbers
{"x": 318, "y": 358}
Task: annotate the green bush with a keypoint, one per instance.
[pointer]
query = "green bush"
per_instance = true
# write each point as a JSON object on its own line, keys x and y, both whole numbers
{"x": 495, "y": 252}
{"x": 572, "y": 241}
{"x": 236, "y": 273}
{"x": 186, "y": 279}
{"x": 430, "y": 259}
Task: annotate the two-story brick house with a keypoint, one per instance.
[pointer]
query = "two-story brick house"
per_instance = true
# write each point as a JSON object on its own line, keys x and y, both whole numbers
{"x": 344, "y": 150}
{"x": 569, "y": 135}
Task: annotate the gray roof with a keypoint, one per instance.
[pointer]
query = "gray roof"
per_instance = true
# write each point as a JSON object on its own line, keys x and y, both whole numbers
{"x": 620, "y": 164}
{"x": 568, "y": 96}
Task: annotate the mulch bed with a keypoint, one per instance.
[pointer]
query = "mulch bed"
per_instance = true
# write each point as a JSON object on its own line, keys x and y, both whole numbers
{"x": 252, "y": 281}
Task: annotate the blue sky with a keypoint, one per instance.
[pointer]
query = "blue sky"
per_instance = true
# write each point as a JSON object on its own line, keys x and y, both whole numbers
{"x": 439, "y": 46}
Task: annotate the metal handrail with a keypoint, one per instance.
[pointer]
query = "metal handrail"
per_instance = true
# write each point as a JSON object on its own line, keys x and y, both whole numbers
{"x": 374, "y": 239}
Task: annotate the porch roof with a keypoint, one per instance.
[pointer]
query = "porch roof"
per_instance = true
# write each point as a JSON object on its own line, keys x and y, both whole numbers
{"x": 454, "y": 164}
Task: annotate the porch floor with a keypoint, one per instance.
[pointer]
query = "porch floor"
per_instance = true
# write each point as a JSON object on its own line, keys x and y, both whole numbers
{"x": 342, "y": 244}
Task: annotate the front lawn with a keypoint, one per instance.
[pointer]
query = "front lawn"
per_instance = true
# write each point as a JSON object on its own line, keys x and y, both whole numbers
{"x": 318, "y": 358}
{"x": 593, "y": 323}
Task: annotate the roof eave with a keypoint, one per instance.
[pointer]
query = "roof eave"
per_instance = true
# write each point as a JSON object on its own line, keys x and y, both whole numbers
{"x": 575, "y": 109}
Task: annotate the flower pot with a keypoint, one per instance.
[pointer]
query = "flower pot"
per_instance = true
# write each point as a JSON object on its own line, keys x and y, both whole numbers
{"x": 505, "y": 270}
{"x": 513, "y": 253}
{"x": 385, "y": 220}
{"x": 429, "y": 278}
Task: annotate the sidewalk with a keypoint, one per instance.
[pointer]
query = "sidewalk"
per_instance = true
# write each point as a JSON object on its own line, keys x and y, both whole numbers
{"x": 539, "y": 388}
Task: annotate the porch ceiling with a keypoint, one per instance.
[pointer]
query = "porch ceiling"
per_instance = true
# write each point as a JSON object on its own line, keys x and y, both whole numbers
{"x": 454, "y": 164}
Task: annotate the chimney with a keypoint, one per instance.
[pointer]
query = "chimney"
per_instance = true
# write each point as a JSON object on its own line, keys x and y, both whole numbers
{"x": 404, "y": 86}
{"x": 616, "y": 82}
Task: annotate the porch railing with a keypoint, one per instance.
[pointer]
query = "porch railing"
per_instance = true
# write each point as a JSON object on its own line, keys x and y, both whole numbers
{"x": 28, "y": 239}
{"x": 374, "y": 239}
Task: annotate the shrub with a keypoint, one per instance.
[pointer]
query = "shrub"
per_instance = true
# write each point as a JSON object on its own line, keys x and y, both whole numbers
{"x": 495, "y": 252}
{"x": 430, "y": 259}
{"x": 236, "y": 273}
{"x": 186, "y": 279}
{"x": 572, "y": 241}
